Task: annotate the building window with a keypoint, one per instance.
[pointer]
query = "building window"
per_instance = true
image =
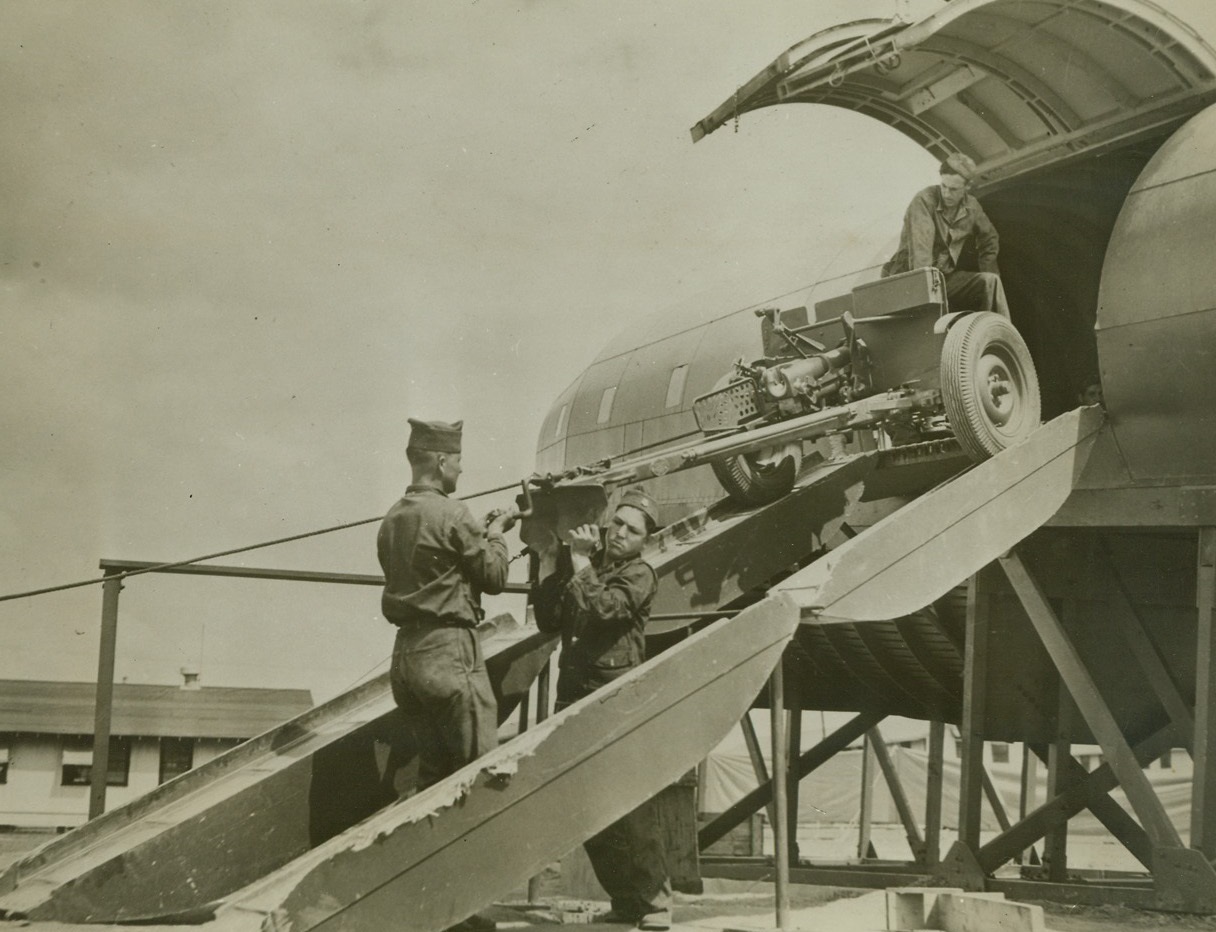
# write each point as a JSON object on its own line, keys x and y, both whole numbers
{"x": 606, "y": 405}
{"x": 675, "y": 386}
{"x": 958, "y": 747}
{"x": 176, "y": 757}
{"x": 1165, "y": 761}
{"x": 561, "y": 422}
{"x": 78, "y": 762}
{"x": 1000, "y": 752}
{"x": 4, "y": 752}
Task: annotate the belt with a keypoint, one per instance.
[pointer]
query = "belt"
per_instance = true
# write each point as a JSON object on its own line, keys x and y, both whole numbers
{"x": 432, "y": 621}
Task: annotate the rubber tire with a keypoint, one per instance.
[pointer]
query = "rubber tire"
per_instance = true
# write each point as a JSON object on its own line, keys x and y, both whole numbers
{"x": 743, "y": 480}
{"x": 976, "y": 346}
{"x": 749, "y": 484}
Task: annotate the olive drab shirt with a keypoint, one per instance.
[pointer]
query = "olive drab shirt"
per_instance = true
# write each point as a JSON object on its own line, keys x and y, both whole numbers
{"x": 601, "y": 613}
{"x": 930, "y": 238}
{"x": 437, "y": 560}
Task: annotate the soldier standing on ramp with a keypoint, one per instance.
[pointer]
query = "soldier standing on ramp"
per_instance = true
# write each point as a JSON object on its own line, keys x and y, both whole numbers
{"x": 600, "y": 604}
{"x": 437, "y": 561}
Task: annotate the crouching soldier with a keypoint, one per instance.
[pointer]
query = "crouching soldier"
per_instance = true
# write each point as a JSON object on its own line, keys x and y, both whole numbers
{"x": 600, "y": 603}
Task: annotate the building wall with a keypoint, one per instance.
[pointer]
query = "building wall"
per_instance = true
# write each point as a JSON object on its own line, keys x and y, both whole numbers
{"x": 34, "y": 797}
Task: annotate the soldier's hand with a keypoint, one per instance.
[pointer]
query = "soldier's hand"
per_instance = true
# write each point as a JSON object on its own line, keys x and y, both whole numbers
{"x": 493, "y": 515}
{"x": 501, "y": 520}
{"x": 585, "y": 540}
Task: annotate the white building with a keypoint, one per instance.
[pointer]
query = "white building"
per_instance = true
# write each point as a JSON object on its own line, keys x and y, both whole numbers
{"x": 46, "y": 742}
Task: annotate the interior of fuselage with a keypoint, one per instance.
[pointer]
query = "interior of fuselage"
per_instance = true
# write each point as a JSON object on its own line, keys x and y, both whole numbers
{"x": 1054, "y": 226}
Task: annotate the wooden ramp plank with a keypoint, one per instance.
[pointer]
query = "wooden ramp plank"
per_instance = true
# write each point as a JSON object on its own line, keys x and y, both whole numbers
{"x": 924, "y": 549}
{"x": 436, "y": 858}
{"x": 244, "y": 814}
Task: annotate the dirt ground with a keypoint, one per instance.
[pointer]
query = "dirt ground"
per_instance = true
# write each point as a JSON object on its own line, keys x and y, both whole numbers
{"x": 724, "y": 905}
{"x": 1061, "y": 918}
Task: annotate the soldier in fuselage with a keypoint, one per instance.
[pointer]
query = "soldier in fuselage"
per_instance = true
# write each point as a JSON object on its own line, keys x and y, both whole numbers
{"x": 944, "y": 223}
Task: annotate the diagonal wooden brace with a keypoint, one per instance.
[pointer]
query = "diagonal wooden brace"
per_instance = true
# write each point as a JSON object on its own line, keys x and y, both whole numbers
{"x": 816, "y": 757}
{"x": 1092, "y": 706}
{"x": 1078, "y": 796}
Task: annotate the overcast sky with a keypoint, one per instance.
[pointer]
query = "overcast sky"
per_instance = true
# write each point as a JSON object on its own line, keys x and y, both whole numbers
{"x": 243, "y": 242}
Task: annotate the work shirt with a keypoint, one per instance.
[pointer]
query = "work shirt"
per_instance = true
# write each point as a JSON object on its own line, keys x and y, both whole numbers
{"x": 437, "y": 560}
{"x": 930, "y": 237}
{"x": 601, "y": 613}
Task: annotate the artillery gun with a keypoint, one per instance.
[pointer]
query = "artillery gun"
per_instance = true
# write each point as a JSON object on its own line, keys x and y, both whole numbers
{"x": 888, "y": 359}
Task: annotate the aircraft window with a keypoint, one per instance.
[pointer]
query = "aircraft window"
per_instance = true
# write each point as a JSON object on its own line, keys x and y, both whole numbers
{"x": 606, "y": 405}
{"x": 561, "y": 422}
{"x": 675, "y": 386}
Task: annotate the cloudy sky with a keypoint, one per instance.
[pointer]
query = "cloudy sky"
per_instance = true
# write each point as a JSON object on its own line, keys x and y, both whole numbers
{"x": 242, "y": 242}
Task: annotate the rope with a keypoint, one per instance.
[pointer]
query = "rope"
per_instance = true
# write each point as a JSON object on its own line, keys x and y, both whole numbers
{"x": 227, "y": 553}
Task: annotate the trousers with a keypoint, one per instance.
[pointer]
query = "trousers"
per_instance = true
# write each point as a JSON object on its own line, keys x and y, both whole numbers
{"x": 976, "y": 291}
{"x": 629, "y": 857}
{"x": 439, "y": 681}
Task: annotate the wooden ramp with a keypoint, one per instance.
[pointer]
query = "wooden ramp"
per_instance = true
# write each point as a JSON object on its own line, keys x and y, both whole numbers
{"x": 434, "y": 859}
{"x": 920, "y": 552}
{"x": 246, "y": 813}
{"x": 223, "y": 826}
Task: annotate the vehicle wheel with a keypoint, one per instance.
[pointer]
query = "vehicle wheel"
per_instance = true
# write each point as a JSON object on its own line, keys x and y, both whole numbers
{"x": 989, "y": 385}
{"x": 761, "y": 477}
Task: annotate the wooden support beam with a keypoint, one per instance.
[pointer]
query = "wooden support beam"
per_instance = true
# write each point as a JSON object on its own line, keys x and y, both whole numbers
{"x": 1113, "y": 817}
{"x": 975, "y": 678}
{"x": 781, "y": 776}
{"x": 896, "y": 788}
{"x": 1203, "y": 786}
{"x": 933, "y": 793}
{"x": 865, "y": 816}
{"x": 103, "y": 703}
{"x": 1028, "y": 793}
{"x": 1077, "y": 796}
{"x": 816, "y": 757}
{"x": 525, "y": 711}
{"x": 994, "y": 800}
{"x": 1143, "y": 648}
{"x": 793, "y": 700}
{"x": 759, "y": 768}
{"x": 544, "y": 699}
{"x": 1059, "y": 777}
{"x": 1092, "y": 706}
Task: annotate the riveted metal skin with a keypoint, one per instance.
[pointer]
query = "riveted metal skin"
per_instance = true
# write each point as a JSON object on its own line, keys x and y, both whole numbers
{"x": 1156, "y": 326}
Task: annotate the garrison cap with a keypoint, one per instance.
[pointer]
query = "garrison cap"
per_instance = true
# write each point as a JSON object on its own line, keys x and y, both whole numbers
{"x": 636, "y": 498}
{"x": 958, "y": 164}
{"x": 435, "y": 436}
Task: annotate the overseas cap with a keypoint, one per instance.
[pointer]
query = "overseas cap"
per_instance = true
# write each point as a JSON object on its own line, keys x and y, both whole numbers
{"x": 958, "y": 164}
{"x": 636, "y": 498}
{"x": 435, "y": 436}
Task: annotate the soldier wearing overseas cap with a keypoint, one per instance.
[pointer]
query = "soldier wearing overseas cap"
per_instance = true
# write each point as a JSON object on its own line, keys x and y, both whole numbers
{"x": 945, "y": 227}
{"x": 599, "y": 604}
{"x": 437, "y": 561}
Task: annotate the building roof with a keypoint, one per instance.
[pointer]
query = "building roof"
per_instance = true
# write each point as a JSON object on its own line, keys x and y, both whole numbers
{"x": 61, "y": 708}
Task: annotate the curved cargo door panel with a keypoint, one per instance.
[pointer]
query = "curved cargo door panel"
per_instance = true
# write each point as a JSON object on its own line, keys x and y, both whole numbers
{"x": 1015, "y": 84}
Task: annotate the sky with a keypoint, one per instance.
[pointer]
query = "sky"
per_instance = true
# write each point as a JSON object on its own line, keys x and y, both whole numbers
{"x": 243, "y": 242}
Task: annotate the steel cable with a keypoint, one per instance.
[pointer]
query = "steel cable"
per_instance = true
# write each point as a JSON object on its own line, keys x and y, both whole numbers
{"x": 226, "y": 553}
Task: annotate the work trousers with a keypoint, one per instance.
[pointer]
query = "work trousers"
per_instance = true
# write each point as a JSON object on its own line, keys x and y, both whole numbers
{"x": 440, "y": 682}
{"x": 629, "y": 857}
{"x": 976, "y": 291}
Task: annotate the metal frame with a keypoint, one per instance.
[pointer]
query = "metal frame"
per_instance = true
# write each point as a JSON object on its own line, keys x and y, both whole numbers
{"x": 115, "y": 571}
{"x": 1178, "y": 877}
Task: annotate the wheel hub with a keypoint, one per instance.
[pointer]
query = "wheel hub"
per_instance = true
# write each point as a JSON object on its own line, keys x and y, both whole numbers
{"x": 999, "y": 391}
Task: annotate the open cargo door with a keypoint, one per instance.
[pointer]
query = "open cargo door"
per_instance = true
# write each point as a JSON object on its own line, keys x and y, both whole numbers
{"x": 1015, "y": 84}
